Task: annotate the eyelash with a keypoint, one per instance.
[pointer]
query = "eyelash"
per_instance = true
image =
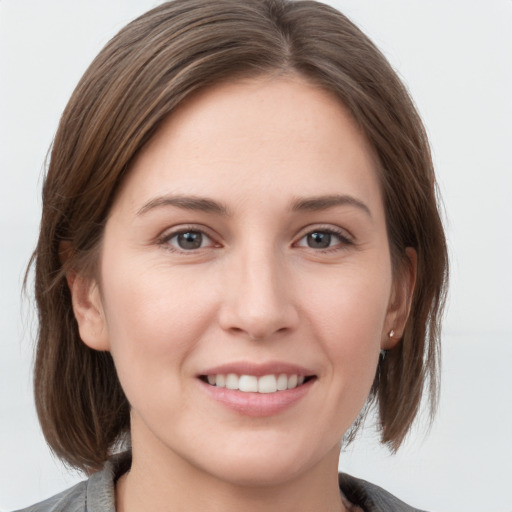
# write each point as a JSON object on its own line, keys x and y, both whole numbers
{"x": 344, "y": 240}
{"x": 165, "y": 240}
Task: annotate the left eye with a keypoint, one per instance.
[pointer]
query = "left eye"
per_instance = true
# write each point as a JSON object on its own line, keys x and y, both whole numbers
{"x": 321, "y": 239}
{"x": 189, "y": 240}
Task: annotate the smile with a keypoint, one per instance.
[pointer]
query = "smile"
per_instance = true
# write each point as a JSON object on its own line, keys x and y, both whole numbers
{"x": 271, "y": 383}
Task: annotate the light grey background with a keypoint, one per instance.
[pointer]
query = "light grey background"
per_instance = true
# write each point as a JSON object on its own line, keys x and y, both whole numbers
{"x": 455, "y": 56}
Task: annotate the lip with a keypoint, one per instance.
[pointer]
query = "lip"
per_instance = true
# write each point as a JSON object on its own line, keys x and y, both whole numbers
{"x": 257, "y": 404}
{"x": 258, "y": 370}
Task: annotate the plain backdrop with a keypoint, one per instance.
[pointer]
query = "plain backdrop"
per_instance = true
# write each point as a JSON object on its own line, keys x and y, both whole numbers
{"x": 456, "y": 58}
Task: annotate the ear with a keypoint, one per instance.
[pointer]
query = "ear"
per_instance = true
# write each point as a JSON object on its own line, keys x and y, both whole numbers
{"x": 88, "y": 310}
{"x": 400, "y": 302}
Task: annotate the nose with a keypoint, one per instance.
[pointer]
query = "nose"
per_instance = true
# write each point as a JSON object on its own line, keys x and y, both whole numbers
{"x": 257, "y": 299}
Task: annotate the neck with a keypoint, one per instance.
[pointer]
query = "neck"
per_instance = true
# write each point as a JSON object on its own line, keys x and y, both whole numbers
{"x": 166, "y": 482}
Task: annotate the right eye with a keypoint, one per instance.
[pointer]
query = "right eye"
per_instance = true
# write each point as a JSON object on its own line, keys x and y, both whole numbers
{"x": 188, "y": 240}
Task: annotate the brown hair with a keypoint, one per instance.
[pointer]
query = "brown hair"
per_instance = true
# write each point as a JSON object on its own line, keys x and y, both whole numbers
{"x": 137, "y": 80}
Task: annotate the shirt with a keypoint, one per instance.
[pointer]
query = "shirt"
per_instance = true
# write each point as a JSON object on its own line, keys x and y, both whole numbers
{"x": 97, "y": 494}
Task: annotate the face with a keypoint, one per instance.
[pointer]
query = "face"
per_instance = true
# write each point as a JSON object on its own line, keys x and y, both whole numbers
{"x": 246, "y": 249}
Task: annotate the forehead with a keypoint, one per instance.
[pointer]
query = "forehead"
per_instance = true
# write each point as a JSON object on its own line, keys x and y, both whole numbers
{"x": 281, "y": 134}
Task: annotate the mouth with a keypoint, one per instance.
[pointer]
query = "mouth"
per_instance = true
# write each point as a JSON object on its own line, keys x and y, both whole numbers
{"x": 265, "y": 384}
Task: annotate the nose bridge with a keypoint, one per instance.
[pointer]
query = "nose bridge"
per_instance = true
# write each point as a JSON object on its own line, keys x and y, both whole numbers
{"x": 259, "y": 301}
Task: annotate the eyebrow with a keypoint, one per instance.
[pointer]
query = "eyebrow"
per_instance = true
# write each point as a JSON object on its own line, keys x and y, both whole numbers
{"x": 319, "y": 203}
{"x": 203, "y": 204}
{"x": 196, "y": 203}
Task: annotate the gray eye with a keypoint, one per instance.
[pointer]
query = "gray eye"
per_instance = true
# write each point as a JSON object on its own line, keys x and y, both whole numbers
{"x": 189, "y": 240}
{"x": 319, "y": 240}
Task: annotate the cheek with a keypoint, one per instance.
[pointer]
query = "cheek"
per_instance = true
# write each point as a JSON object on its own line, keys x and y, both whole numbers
{"x": 349, "y": 320}
{"x": 154, "y": 319}
{"x": 349, "y": 304}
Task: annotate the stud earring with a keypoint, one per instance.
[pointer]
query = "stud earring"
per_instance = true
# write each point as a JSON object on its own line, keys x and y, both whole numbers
{"x": 391, "y": 333}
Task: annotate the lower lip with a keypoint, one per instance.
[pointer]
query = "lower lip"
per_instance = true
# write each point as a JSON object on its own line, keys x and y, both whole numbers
{"x": 258, "y": 404}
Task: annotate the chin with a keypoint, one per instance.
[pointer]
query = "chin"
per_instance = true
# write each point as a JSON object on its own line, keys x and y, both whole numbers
{"x": 262, "y": 472}
{"x": 266, "y": 466}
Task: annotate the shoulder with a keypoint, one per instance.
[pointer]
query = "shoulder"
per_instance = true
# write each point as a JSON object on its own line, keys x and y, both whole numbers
{"x": 97, "y": 494}
{"x": 370, "y": 497}
{"x": 71, "y": 500}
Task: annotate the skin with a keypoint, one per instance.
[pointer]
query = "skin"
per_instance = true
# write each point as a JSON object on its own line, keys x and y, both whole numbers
{"x": 255, "y": 291}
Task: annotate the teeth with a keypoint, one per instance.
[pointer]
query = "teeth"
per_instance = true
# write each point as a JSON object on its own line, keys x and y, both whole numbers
{"x": 232, "y": 381}
{"x": 267, "y": 384}
{"x": 252, "y": 384}
{"x": 282, "y": 382}
{"x": 248, "y": 383}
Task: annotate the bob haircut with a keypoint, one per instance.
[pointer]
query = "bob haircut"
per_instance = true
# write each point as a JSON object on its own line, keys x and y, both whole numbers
{"x": 137, "y": 80}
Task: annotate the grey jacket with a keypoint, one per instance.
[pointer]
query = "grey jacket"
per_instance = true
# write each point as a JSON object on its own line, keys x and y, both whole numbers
{"x": 97, "y": 493}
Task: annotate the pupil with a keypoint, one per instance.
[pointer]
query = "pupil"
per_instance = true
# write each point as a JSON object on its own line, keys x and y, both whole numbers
{"x": 190, "y": 240}
{"x": 319, "y": 240}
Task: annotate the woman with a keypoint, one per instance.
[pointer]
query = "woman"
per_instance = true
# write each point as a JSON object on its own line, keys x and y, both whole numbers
{"x": 240, "y": 252}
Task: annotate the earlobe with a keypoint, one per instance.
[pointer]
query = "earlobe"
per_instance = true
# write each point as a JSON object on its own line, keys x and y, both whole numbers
{"x": 88, "y": 310}
{"x": 401, "y": 300}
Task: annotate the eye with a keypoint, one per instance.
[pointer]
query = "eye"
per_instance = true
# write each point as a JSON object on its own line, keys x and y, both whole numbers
{"x": 323, "y": 239}
{"x": 187, "y": 240}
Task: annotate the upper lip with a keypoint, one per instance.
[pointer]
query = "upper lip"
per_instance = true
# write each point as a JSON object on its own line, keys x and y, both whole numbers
{"x": 258, "y": 369}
